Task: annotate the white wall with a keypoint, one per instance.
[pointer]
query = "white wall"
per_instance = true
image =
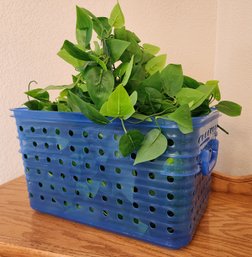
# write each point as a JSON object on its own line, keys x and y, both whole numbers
{"x": 32, "y": 32}
{"x": 233, "y": 68}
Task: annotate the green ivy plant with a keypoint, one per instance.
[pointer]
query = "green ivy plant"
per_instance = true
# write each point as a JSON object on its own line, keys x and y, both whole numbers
{"x": 119, "y": 78}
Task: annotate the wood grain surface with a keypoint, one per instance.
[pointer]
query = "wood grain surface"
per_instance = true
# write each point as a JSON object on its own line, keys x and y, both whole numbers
{"x": 232, "y": 184}
{"x": 225, "y": 230}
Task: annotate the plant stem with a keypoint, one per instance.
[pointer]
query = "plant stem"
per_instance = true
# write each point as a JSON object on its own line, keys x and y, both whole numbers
{"x": 123, "y": 126}
{"x": 29, "y": 87}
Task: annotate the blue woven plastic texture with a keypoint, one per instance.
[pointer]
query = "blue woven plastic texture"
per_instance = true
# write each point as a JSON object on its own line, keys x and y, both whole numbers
{"x": 74, "y": 170}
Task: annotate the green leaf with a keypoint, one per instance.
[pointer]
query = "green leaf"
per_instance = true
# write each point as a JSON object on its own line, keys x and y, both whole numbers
{"x": 155, "y": 64}
{"x": 119, "y": 104}
{"x": 87, "y": 109}
{"x": 229, "y": 108}
{"x": 154, "y": 145}
{"x": 84, "y": 27}
{"x": 59, "y": 87}
{"x": 172, "y": 76}
{"x": 69, "y": 58}
{"x": 190, "y": 82}
{"x": 216, "y": 91}
{"x": 116, "y": 48}
{"x": 133, "y": 98}
{"x": 128, "y": 71}
{"x": 141, "y": 117}
{"x": 100, "y": 85}
{"x": 39, "y": 94}
{"x": 182, "y": 116}
{"x": 62, "y": 107}
{"x": 152, "y": 49}
{"x": 116, "y": 18}
{"x": 121, "y": 69}
{"x": 130, "y": 142}
{"x": 34, "y": 105}
{"x": 77, "y": 53}
{"x": 194, "y": 98}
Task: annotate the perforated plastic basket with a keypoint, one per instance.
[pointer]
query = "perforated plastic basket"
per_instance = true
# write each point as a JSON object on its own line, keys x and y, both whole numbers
{"x": 74, "y": 170}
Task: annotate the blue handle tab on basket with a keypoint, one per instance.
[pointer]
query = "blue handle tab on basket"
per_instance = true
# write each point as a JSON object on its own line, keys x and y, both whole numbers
{"x": 208, "y": 157}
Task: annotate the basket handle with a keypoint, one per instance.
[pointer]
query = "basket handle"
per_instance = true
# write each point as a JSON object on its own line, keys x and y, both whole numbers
{"x": 208, "y": 157}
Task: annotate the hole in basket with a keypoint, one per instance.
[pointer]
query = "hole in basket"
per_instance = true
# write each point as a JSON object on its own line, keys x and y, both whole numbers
{"x": 46, "y": 145}
{"x": 152, "y": 192}
{"x": 100, "y": 135}
{"x": 21, "y": 128}
{"x": 118, "y": 186}
{"x": 86, "y": 150}
{"x": 151, "y": 175}
{"x": 170, "y": 161}
{"x": 77, "y": 205}
{"x": 152, "y": 209}
{"x": 136, "y": 221}
{"x": 89, "y": 181}
{"x": 34, "y": 144}
{"x": 32, "y": 129}
{"x": 36, "y": 157}
{"x": 90, "y": 195}
{"x": 134, "y": 173}
{"x": 102, "y": 168}
{"x": 104, "y": 183}
{"x": 105, "y": 213}
{"x": 25, "y": 156}
{"x": 53, "y": 200}
{"x": 119, "y": 216}
{"x": 40, "y": 184}
{"x": 42, "y": 197}
{"x": 116, "y": 137}
{"x": 170, "y": 179}
{"x": 77, "y": 192}
{"x": 70, "y": 132}
{"x": 170, "y": 230}
{"x": 170, "y": 196}
{"x": 91, "y": 209}
{"x": 74, "y": 163}
{"x": 44, "y": 130}
{"x": 170, "y": 213}
{"x": 119, "y": 201}
{"x": 118, "y": 170}
{"x": 64, "y": 189}
{"x": 101, "y": 152}
{"x": 31, "y": 195}
{"x": 62, "y": 175}
{"x": 135, "y": 205}
{"x": 152, "y": 225}
{"x": 65, "y": 203}
{"x": 48, "y": 159}
{"x": 117, "y": 154}
{"x": 57, "y": 131}
{"x": 72, "y": 148}
{"x": 75, "y": 178}
{"x": 170, "y": 142}
{"x": 59, "y": 147}
{"x": 135, "y": 189}
{"x": 85, "y": 134}
{"x": 52, "y": 187}
{"x": 50, "y": 173}
{"x": 61, "y": 161}
{"x": 133, "y": 156}
{"x": 27, "y": 170}
{"x": 104, "y": 198}
{"x": 87, "y": 165}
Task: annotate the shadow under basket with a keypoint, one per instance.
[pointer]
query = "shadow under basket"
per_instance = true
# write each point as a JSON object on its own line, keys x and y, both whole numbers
{"x": 74, "y": 170}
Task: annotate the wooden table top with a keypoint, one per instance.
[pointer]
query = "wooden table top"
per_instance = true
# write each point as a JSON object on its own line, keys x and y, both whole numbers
{"x": 225, "y": 230}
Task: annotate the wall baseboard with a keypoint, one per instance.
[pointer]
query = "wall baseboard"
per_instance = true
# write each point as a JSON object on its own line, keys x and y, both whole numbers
{"x": 232, "y": 184}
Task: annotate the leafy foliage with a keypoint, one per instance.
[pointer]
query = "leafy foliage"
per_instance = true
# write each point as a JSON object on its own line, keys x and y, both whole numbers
{"x": 117, "y": 77}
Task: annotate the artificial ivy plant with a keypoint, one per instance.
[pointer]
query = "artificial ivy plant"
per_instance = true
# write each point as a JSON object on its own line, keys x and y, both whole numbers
{"x": 119, "y": 78}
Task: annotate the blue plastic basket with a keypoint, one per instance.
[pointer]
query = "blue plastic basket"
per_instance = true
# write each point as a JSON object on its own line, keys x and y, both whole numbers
{"x": 74, "y": 170}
